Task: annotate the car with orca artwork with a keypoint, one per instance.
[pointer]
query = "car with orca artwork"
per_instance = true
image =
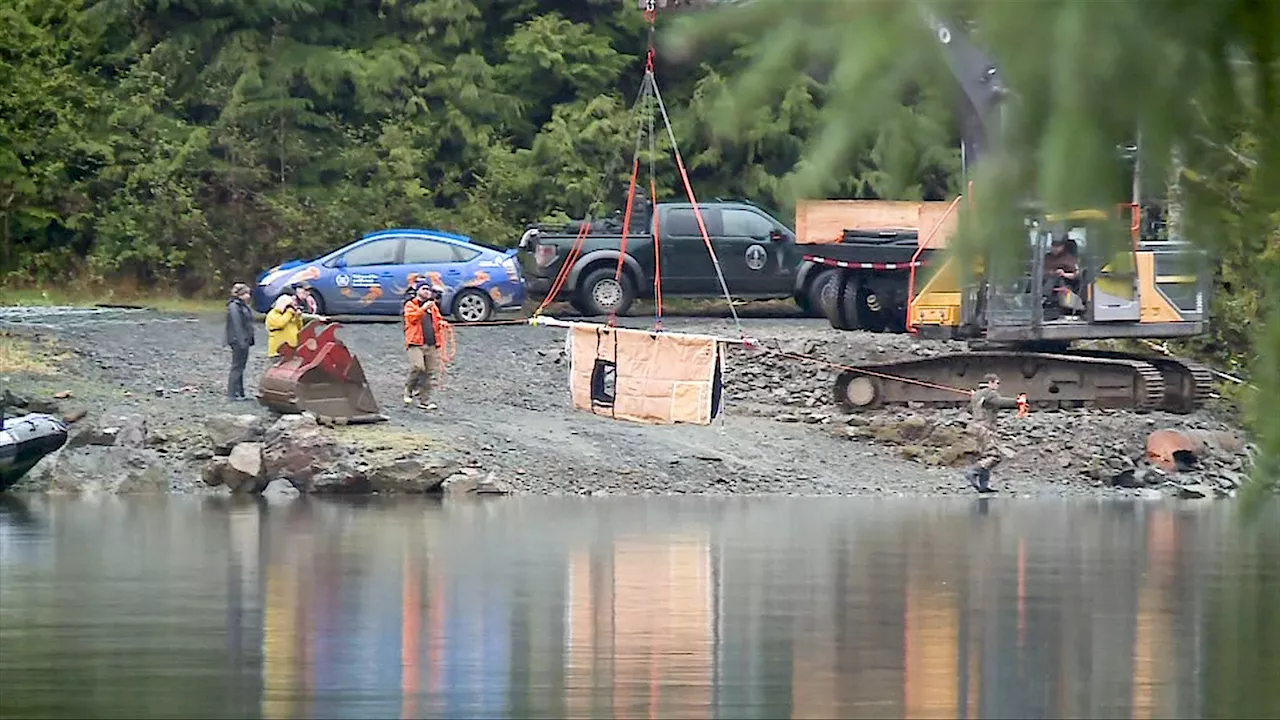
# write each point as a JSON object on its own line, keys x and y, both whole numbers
{"x": 371, "y": 275}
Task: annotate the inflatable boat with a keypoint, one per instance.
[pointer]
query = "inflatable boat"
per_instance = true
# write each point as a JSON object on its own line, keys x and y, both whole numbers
{"x": 24, "y": 440}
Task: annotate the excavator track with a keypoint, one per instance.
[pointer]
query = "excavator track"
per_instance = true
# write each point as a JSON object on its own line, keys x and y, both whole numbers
{"x": 1050, "y": 380}
{"x": 1187, "y": 384}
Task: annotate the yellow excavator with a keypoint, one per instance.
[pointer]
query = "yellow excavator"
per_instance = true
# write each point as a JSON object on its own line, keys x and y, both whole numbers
{"x": 1020, "y": 321}
{"x": 1021, "y": 317}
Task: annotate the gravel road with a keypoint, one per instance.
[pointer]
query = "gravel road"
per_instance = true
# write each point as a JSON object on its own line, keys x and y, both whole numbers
{"x": 504, "y": 404}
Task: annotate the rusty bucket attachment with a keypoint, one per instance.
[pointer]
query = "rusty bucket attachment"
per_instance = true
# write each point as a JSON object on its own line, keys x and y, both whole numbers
{"x": 319, "y": 376}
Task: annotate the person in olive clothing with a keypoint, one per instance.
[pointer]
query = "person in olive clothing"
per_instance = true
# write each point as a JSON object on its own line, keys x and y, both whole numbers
{"x": 239, "y": 336}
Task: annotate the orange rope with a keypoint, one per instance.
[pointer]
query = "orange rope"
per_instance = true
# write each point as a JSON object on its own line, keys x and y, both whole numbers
{"x": 657, "y": 255}
{"x": 446, "y": 351}
{"x": 569, "y": 260}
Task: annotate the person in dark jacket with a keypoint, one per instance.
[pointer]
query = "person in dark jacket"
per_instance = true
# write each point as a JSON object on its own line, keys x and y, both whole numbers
{"x": 239, "y": 336}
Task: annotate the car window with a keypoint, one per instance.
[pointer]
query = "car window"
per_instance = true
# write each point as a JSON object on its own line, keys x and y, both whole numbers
{"x": 744, "y": 223}
{"x": 465, "y": 254}
{"x": 378, "y": 252}
{"x": 422, "y": 251}
{"x": 680, "y": 222}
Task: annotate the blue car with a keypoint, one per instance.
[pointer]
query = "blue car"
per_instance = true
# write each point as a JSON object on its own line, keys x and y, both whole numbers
{"x": 370, "y": 276}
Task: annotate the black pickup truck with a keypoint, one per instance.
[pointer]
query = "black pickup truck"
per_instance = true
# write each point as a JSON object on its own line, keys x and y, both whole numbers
{"x": 757, "y": 253}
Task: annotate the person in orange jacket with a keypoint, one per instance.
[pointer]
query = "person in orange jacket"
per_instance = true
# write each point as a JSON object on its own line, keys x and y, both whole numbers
{"x": 423, "y": 337}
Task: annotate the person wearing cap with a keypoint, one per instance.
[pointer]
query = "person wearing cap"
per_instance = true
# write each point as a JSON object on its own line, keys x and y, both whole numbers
{"x": 422, "y": 340}
{"x": 307, "y": 300}
{"x": 984, "y": 408}
{"x": 239, "y": 336}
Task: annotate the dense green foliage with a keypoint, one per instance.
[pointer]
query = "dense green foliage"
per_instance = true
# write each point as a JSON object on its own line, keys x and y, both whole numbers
{"x": 201, "y": 142}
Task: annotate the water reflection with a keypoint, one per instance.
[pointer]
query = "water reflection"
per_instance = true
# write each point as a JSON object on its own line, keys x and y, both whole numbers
{"x": 137, "y": 607}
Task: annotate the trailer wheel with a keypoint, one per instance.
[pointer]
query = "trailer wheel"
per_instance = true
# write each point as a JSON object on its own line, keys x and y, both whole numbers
{"x": 856, "y": 392}
{"x": 851, "y": 303}
{"x": 819, "y": 298}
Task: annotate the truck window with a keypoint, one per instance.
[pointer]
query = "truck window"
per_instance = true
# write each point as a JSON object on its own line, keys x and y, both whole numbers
{"x": 680, "y": 222}
{"x": 745, "y": 223}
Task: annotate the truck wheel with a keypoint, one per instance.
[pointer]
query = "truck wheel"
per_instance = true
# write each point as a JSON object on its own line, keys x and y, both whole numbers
{"x": 819, "y": 296}
{"x": 853, "y": 303}
{"x": 831, "y": 295}
{"x": 601, "y": 294}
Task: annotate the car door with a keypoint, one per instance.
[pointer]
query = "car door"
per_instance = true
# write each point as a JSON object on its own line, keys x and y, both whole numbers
{"x": 364, "y": 278}
{"x": 433, "y": 260}
{"x": 686, "y": 264}
{"x": 754, "y": 253}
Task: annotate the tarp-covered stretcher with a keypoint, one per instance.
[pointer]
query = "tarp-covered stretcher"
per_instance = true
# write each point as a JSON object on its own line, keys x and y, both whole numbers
{"x": 658, "y": 378}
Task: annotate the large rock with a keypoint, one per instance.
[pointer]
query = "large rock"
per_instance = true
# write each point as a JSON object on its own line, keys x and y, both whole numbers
{"x": 94, "y": 469}
{"x": 297, "y": 450}
{"x": 123, "y": 430}
{"x": 467, "y": 482}
{"x": 226, "y": 431}
{"x": 245, "y": 470}
{"x": 411, "y": 475}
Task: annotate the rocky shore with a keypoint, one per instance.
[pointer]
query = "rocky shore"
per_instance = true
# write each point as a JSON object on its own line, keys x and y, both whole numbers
{"x": 145, "y": 391}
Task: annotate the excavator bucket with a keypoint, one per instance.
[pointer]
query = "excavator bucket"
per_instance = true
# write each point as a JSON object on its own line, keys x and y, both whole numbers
{"x": 319, "y": 376}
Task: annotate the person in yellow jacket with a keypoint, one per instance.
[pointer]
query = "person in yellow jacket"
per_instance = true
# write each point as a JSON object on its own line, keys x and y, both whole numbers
{"x": 284, "y": 322}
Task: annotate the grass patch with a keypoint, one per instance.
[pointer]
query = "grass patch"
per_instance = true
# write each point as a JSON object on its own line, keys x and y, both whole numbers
{"x": 155, "y": 300}
{"x": 21, "y": 355}
{"x": 383, "y": 437}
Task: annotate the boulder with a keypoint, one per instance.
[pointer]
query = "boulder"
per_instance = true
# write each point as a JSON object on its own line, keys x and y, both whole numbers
{"x": 297, "y": 450}
{"x": 123, "y": 430}
{"x": 463, "y": 484}
{"x": 245, "y": 470}
{"x": 214, "y": 473}
{"x": 459, "y": 484}
{"x": 341, "y": 479}
{"x": 411, "y": 475}
{"x": 98, "y": 469}
{"x": 226, "y": 431}
{"x": 1196, "y": 491}
{"x": 130, "y": 430}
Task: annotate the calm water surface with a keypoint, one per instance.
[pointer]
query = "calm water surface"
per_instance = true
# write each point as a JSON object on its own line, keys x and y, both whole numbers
{"x": 191, "y": 607}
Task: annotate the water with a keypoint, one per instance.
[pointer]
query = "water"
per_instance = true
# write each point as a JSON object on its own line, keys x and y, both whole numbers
{"x": 206, "y": 607}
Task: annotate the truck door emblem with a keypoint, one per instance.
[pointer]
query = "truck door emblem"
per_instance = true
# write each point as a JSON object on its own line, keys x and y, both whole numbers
{"x": 756, "y": 257}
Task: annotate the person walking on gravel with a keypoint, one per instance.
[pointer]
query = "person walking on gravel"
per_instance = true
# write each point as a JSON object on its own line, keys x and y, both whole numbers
{"x": 239, "y": 336}
{"x": 984, "y": 407}
{"x": 422, "y": 340}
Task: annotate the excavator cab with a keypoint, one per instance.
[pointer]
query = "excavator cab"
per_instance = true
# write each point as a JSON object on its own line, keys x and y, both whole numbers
{"x": 1124, "y": 287}
{"x": 320, "y": 376}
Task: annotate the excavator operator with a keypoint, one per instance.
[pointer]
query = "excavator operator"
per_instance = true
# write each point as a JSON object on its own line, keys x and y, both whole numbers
{"x": 1061, "y": 272}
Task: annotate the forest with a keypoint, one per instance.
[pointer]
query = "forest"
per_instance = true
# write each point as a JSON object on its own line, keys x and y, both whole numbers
{"x": 189, "y": 144}
{"x": 181, "y": 145}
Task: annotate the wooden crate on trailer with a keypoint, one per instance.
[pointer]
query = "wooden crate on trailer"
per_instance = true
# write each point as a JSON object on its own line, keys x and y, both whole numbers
{"x": 824, "y": 221}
